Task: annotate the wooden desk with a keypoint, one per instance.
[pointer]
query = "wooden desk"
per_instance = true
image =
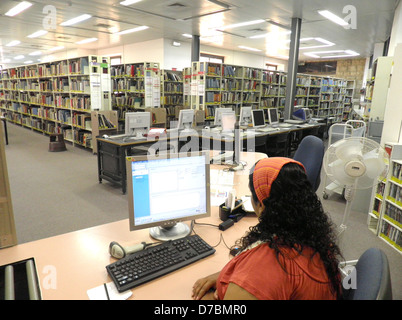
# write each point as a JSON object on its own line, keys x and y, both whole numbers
{"x": 70, "y": 264}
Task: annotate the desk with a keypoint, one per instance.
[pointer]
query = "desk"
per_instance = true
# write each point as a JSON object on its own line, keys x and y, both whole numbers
{"x": 70, "y": 264}
{"x": 112, "y": 153}
{"x": 4, "y": 120}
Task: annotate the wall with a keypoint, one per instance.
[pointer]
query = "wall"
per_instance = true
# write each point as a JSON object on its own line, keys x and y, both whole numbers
{"x": 352, "y": 69}
{"x": 396, "y": 33}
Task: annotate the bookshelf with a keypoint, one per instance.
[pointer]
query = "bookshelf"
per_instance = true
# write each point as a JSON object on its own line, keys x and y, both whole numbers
{"x": 135, "y": 86}
{"x": 385, "y": 215}
{"x": 101, "y": 122}
{"x": 57, "y": 96}
{"x": 349, "y": 93}
{"x": 8, "y": 236}
{"x": 172, "y": 93}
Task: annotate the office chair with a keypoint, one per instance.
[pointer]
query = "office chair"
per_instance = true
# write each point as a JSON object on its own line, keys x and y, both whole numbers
{"x": 277, "y": 145}
{"x": 310, "y": 153}
{"x": 373, "y": 279}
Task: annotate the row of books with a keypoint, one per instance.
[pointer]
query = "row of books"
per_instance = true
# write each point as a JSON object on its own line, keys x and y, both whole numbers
{"x": 231, "y": 84}
{"x": 392, "y": 233}
{"x": 397, "y": 172}
{"x": 131, "y": 70}
{"x": 172, "y": 99}
{"x": 171, "y": 76}
{"x": 212, "y": 83}
{"x": 173, "y": 87}
{"x": 82, "y": 120}
{"x": 274, "y": 78}
{"x": 252, "y": 73}
{"x": 395, "y": 193}
{"x": 251, "y": 85}
{"x": 273, "y": 91}
{"x": 121, "y": 101}
{"x": 82, "y": 85}
{"x": 394, "y": 213}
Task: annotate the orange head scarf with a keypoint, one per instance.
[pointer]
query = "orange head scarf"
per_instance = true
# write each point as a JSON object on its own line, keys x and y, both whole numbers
{"x": 265, "y": 172}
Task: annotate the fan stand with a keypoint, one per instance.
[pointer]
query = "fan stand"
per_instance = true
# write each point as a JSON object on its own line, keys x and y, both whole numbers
{"x": 350, "y": 191}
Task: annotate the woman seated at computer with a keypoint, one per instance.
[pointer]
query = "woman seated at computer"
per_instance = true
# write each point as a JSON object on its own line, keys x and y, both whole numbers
{"x": 291, "y": 252}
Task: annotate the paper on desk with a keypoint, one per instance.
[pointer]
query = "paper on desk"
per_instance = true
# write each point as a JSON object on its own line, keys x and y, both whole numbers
{"x": 221, "y": 183}
{"x": 99, "y": 293}
{"x": 246, "y": 204}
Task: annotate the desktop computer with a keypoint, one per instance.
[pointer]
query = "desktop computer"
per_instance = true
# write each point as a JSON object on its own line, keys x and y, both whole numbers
{"x": 164, "y": 191}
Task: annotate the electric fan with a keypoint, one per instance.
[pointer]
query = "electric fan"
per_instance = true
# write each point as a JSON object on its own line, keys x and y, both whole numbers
{"x": 355, "y": 163}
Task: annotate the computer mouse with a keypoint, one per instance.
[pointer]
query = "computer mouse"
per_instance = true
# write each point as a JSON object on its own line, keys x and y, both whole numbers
{"x": 105, "y": 136}
{"x": 207, "y": 128}
{"x": 234, "y": 251}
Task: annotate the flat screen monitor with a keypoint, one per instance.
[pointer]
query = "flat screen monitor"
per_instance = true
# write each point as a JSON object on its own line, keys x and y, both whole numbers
{"x": 273, "y": 115}
{"x": 186, "y": 119}
{"x": 245, "y": 116}
{"x": 258, "y": 118}
{"x": 228, "y": 121}
{"x": 167, "y": 189}
{"x": 137, "y": 123}
{"x": 218, "y": 113}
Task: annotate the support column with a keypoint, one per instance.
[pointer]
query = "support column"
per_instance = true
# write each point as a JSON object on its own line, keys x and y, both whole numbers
{"x": 195, "y": 48}
{"x": 292, "y": 67}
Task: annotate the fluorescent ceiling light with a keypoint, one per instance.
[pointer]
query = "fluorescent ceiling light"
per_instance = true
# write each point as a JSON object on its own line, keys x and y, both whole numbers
{"x": 132, "y": 30}
{"x": 76, "y": 20}
{"x": 248, "y": 48}
{"x": 333, "y": 17}
{"x": 18, "y": 8}
{"x": 330, "y": 54}
{"x": 6, "y": 61}
{"x": 13, "y": 43}
{"x": 37, "y": 34}
{"x": 187, "y": 35}
{"x": 35, "y": 53}
{"x": 87, "y": 40}
{"x": 19, "y": 57}
{"x": 28, "y": 62}
{"x": 241, "y": 24}
{"x": 267, "y": 35}
{"x": 56, "y": 48}
{"x": 129, "y": 2}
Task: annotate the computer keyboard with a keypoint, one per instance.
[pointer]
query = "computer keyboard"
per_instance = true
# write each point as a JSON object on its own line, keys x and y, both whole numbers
{"x": 156, "y": 261}
{"x": 267, "y": 129}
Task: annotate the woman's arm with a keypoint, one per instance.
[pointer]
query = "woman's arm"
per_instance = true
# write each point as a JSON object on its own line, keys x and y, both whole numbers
{"x": 234, "y": 292}
{"x": 203, "y": 285}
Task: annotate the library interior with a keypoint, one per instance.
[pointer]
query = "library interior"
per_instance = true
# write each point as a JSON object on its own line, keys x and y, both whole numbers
{"x": 144, "y": 146}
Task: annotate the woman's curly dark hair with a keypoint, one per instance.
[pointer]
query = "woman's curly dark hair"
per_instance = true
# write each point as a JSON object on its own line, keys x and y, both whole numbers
{"x": 294, "y": 218}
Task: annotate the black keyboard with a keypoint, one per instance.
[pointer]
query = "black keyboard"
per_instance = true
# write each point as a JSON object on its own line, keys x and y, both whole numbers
{"x": 156, "y": 261}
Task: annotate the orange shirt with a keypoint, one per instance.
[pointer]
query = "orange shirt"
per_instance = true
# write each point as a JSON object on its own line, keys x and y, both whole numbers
{"x": 258, "y": 271}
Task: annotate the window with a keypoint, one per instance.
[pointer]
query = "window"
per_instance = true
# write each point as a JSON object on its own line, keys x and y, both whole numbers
{"x": 115, "y": 60}
{"x": 206, "y": 57}
{"x": 272, "y": 67}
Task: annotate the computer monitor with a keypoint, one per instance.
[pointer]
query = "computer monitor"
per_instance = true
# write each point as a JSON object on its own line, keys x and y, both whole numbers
{"x": 186, "y": 119}
{"x": 245, "y": 116}
{"x": 258, "y": 118}
{"x": 137, "y": 123}
{"x": 307, "y": 113}
{"x": 167, "y": 189}
{"x": 273, "y": 115}
{"x": 228, "y": 120}
{"x": 218, "y": 115}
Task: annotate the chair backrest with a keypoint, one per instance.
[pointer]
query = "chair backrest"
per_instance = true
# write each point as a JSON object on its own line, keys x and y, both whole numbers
{"x": 310, "y": 153}
{"x": 373, "y": 280}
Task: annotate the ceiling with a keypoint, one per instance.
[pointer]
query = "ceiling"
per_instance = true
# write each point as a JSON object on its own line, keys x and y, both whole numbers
{"x": 208, "y": 18}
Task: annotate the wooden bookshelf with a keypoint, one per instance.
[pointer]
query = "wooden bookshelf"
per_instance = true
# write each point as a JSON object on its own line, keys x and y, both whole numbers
{"x": 8, "y": 236}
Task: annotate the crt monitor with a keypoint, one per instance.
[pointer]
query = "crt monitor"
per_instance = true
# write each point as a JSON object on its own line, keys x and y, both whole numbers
{"x": 137, "y": 123}
{"x": 186, "y": 119}
{"x": 258, "y": 118}
{"x": 245, "y": 116}
{"x": 218, "y": 113}
{"x": 167, "y": 189}
{"x": 273, "y": 115}
{"x": 228, "y": 120}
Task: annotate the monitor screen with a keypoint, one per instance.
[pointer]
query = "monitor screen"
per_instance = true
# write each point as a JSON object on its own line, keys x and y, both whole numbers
{"x": 258, "y": 118}
{"x": 245, "y": 115}
{"x": 228, "y": 121}
{"x": 218, "y": 115}
{"x": 137, "y": 123}
{"x": 273, "y": 115}
{"x": 186, "y": 119}
{"x": 166, "y": 189}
